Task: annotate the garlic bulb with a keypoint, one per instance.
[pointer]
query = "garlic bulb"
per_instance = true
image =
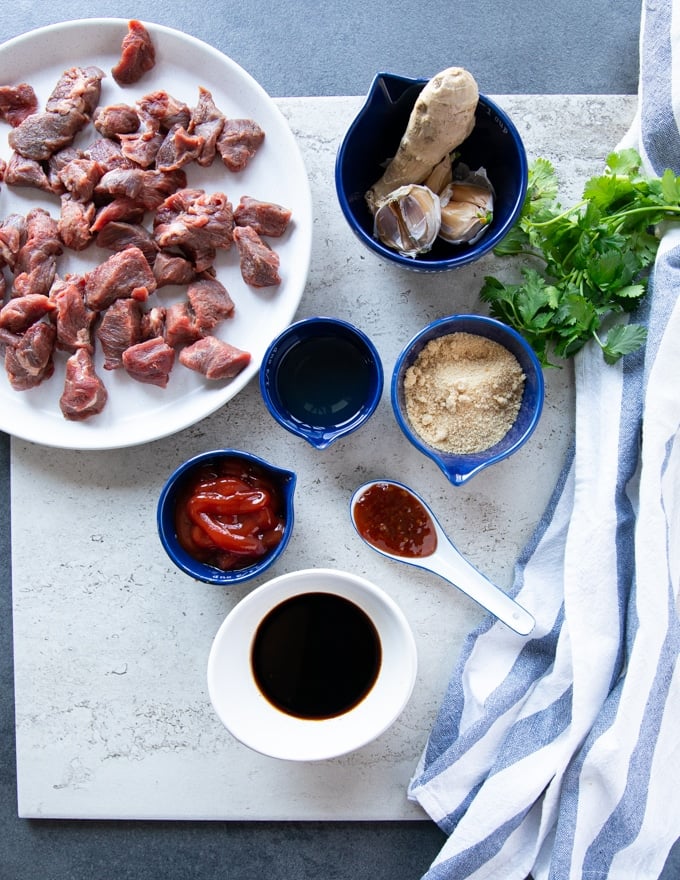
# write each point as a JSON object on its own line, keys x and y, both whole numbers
{"x": 408, "y": 220}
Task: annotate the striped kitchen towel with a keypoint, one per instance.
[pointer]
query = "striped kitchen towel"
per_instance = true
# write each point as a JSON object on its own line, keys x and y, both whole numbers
{"x": 559, "y": 755}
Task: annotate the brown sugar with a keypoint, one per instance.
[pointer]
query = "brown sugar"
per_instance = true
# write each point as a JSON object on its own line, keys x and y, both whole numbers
{"x": 463, "y": 392}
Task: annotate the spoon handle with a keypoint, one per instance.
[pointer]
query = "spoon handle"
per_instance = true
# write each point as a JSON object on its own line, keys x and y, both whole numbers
{"x": 457, "y": 570}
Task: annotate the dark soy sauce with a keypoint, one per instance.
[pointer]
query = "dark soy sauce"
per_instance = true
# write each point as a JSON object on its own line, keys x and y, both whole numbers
{"x": 324, "y": 381}
{"x": 316, "y": 655}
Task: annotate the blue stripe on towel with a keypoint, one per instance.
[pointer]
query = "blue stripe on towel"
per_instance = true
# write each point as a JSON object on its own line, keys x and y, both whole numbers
{"x": 660, "y": 135}
{"x": 558, "y": 762}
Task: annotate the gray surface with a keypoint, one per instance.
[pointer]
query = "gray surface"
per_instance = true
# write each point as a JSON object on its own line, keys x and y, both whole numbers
{"x": 295, "y": 49}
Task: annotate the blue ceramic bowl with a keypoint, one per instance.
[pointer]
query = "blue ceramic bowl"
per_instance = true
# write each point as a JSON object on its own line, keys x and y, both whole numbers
{"x": 373, "y": 137}
{"x": 284, "y": 481}
{"x": 321, "y": 379}
{"x": 460, "y": 468}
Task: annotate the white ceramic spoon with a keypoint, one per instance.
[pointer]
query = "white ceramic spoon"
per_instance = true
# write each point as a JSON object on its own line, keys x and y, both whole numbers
{"x": 403, "y": 512}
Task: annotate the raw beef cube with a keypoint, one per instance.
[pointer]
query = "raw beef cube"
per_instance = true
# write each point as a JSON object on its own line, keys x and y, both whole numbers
{"x": 178, "y": 149}
{"x": 214, "y": 358}
{"x": 202, "y": 223}
{"x": 73, "y": 318}
{"x": 137, "y": 55}
{"x": 56, "y": 163}
{"x": 210, "y": 302}
{"x": 21, "y": 171}
{"x": 75, "y": 223}
{"x": 116, "y": 236}
{"x": 115, "y": 119}
{"x": 181, "y": 326}
{"x": 22, "y": 311}
{"x": 141, "y": 147}
{"x": 259, "y": 263}
{"x": 206, "y": 121}
{"x": 13, "y": 232}
{"x": 30, "y": 361}
{"x": 126, "y": 273}
{"x": 80, "y": 176}
{"x": 78, "y": 89}
{"x": 238, "y": 142}
{"x": 67, "y": 111}
{"x": 36, "y": 263}
{"x": 17, "y": 102}
{"x": 164, "y": 111}
{"x": 266, "y": 218}
{"x": 150, "y": 361}
{"x": 145, "y": 186}
{"x": 108, "y": 154}
{"x": 121, "y": 327}
{"x": 42, "y": 134}
{"x": 84, "y": 393}
{"x": 120, "y": 209}
{"x": 172, "y": 269}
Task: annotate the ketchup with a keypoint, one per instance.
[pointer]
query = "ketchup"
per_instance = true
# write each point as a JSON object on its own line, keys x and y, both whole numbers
{"x": 229, "y": 515}
{"x": 391, "y": 519}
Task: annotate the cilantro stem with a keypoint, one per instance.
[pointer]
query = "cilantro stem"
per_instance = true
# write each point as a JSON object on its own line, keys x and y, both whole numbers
{"x": 647, "y": 209}
{"x": 539, "y": 224}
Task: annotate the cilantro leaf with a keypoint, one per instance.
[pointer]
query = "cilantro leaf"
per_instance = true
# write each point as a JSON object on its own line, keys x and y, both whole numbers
{"x": 623, "y": 339}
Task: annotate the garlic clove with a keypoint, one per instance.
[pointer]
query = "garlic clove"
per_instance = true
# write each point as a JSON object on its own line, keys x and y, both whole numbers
{"x": 463, "y": 222}
{"x": 467, "y": 208}
{"x": 441, "y": 176}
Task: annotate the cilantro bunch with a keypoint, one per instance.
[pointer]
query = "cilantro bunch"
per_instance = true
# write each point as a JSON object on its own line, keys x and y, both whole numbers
{"x": 589, "y": 262}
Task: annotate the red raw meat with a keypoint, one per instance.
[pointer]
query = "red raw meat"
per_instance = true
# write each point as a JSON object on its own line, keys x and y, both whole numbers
{"x": 121, "y": 327}
{"x": 22, "y": 311}
{"x": 238, "y": 142}
{"x": 210, "y": 302}
{"x": 30, "y": 361}
{"x": 163, "y": 111}
{"x": 259, "y": 263}
{"x": 115, "y": 119}
{"x": 207, "y": 121}
{"x": 172, "y": 269}
{"x": 137, "y": 55}
{"x": 73, "y": 318}
{"x": 21, "y": 171}
{"x": 266, "y": 218}
{"x": 214, "y": 358}
{"x": 84, "y": 392}
{"x": 150, "y": 361}
{"x": 17, "y": 102}
{"x": 125, "y": 273}
{"x": 67, "y": 111}
{"x": 75, "y": 223}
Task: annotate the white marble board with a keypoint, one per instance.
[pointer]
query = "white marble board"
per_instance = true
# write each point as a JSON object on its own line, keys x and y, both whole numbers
{"x": 111, "y": 642}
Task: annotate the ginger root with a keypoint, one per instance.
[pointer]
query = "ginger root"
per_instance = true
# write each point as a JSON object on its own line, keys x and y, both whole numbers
{"x": 442, "y": 117}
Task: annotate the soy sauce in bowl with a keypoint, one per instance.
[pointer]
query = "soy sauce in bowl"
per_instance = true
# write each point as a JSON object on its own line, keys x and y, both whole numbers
{"x": 321, "y": 379}
{"x": 316, "y": 655}
{"x": 324, "y": 381}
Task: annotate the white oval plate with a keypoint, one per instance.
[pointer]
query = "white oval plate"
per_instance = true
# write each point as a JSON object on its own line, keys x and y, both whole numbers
{"x": 137, "y": 413}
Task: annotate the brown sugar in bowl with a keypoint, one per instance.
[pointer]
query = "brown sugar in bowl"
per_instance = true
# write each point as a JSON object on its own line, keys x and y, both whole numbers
{"x": 467, "y": 391}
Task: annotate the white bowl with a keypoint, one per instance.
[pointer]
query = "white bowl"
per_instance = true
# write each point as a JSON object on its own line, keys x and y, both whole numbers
{"x": 255, "y": 721}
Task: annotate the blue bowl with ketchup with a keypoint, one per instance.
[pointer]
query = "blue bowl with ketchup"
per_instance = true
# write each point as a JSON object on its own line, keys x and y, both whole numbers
{"x": 226, "y": 516}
